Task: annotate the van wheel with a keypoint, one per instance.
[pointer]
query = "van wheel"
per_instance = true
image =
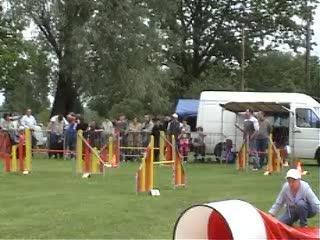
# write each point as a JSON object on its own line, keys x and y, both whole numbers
{"x": 317, "y": 156}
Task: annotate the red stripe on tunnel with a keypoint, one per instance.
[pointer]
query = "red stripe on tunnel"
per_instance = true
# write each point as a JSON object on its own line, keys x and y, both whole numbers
{"x": 218, "y": 227}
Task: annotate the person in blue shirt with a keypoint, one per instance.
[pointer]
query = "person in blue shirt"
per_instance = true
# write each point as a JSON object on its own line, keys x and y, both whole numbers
{"x": 301, "y": 202}
{"x": 71, "y": 134}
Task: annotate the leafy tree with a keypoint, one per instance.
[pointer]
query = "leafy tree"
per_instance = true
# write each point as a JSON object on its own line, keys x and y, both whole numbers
{"x": 11, "y": 46}
{"x": 219, "y": 77}
{"x": 60, "y": 23}
{"x": 314, "y": 89}
{"x": 124, "y": 61}
{"x": 23, "y": 70}
{"x": 281, "y": 72}
{"x": 201, "y": 34}
{"x": 31, "y": 81}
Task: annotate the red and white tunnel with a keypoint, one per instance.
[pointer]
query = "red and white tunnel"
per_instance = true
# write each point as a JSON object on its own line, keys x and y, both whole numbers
{"x": 235, "y": 219}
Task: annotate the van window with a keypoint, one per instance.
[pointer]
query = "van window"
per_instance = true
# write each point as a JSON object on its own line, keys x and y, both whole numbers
{"x": 306, "y": 118}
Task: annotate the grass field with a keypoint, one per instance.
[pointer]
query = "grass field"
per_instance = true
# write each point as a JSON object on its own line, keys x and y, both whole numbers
{"x": 53, "y": 202}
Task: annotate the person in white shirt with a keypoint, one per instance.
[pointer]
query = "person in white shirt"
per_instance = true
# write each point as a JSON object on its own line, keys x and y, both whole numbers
{"x": 300, "y": 201}
{"x": 28, "y": 121}
{"x": 56, "y": 137}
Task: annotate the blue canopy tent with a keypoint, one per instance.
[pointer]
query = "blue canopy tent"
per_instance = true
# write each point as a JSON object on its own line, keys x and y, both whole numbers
{"x": 187, "y": 108}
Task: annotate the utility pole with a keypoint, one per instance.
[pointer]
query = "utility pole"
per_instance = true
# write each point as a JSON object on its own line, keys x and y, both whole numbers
{"x": 307, "y": 57}
{"x": 242, "y": 59}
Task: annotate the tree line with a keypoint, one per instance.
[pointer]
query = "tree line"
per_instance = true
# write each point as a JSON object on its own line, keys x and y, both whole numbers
{"x": 138, "y": 56}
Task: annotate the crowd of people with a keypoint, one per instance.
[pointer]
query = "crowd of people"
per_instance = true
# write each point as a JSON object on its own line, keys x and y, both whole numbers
{"x": 15, "y": 126}
{"x": 134, "y": 134}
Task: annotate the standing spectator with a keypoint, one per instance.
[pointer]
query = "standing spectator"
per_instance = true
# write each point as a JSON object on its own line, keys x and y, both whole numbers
{"x": 121, "y": 128}
{"x": 174, "y": 127}
{"x": 156, "y": 134}
{"x": 94, "y": 135}
{"x": 165, "y": 123}
{"x": 184, "y": 147}
{"x": 71, "y": 134}
{"x": 198, "y": 145}
{"x": 28, "y": 121}
{"x": 250, "y": 130}
{"x": 134, "y": 136}
{"x": 108, "y": 131}
{"x": 300, "y": 201}
{"x": 56, "y": 131}
{"x": 262, "y": 138}
{"x": 146, "y": 128}
{"x": 81, "y": 124}
{"x": 186, "y": 127}
{"x": 8, "y": 126}
{"x": 6, "y": 123}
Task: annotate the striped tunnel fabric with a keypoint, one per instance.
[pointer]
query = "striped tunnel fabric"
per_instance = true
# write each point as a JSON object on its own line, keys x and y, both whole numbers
{"x": 234, "y": 219}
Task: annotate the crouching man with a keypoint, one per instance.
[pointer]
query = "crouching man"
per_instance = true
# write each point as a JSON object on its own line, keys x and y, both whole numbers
{"x": 301, "y": 202}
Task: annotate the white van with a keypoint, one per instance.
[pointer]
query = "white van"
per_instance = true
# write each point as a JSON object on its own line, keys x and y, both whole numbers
{"x": 295, "y": 118}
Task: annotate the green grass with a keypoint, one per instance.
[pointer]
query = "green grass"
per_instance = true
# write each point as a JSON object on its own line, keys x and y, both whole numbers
{"x": 53, "y": 202}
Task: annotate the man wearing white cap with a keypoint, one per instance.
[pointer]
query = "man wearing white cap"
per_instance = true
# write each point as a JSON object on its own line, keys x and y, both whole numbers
{"x": 301, "y": 202}
{"x": 174, "y": 126}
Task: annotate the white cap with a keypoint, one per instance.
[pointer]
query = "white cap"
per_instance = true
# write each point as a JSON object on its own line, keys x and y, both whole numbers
{"x": 293, "y": 173}
{"x": 21, "y": 128}
{"x": 175, "y": 115}
{"x": 54, "y": 118}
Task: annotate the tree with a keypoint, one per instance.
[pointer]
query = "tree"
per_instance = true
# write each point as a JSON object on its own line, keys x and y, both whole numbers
{"x": 31, "y": 81}
{"x": 10, "y": 49}
{"x": 282, "y": 72}
{"x": 23, "y": 69}
{"x": 123, "y": 61}
{"x": 60, "y": 23}
{"x": 201, "y": 34}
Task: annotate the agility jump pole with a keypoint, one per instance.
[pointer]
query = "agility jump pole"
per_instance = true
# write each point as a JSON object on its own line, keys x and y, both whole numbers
{"x": 114, "y": 152}
{"x": 110, "y": 152}
{"x": 88, "y": 159}
{"x": 145, "y": 173}
{"x": 23, "y": 162}
{"x": 162, "y": 146}
{"x": 274, "y": 158}
{"x": 242, "y": 157}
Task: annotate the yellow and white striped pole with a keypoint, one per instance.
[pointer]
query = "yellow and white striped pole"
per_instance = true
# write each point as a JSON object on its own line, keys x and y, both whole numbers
{"x": 14, "y": 163}
{"x": 110, "y": 150}
{"x": 270, "y": 161}
{"x": 149, "y": 165}
{"x": 141, "y": 177}
{"x": 162, "y": 156}
{"x": 94, "y": 160}
{"x": 173, "y": 148}
{"x": 79, "y": 159}
{"x": 28, "y": 157}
